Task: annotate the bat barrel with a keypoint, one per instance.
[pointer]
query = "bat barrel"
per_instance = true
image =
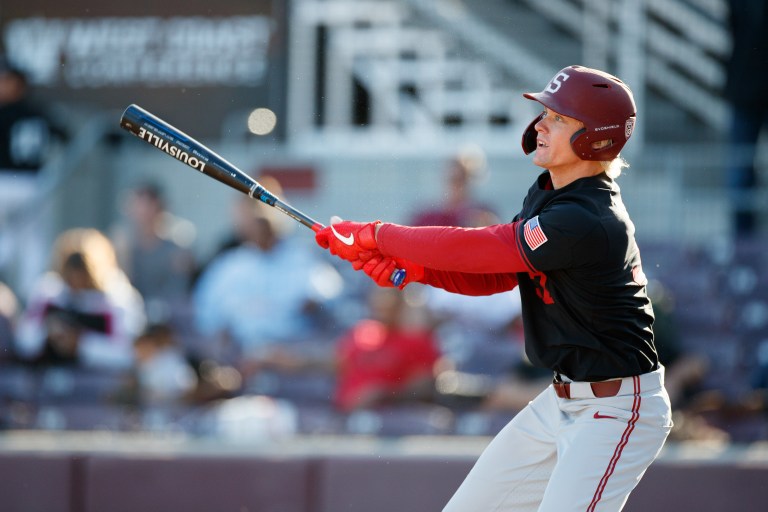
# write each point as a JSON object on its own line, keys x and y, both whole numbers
{"x": 182, "y": 147}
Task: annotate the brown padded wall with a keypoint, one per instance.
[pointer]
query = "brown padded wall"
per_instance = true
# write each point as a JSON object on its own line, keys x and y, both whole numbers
{"x": 67, "y": 482}
{"x": 701, "y": 487}
{"x": 37, "y": 482}
{"x": 376, "y": 484}
{"x": 195, "y": 484}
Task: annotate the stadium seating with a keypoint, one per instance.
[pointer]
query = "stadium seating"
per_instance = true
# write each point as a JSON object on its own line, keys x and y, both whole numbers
{"x": 720, "y": 309}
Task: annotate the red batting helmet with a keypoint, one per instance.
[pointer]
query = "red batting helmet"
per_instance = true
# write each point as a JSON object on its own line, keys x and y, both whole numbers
{"x": 601, "y": 101}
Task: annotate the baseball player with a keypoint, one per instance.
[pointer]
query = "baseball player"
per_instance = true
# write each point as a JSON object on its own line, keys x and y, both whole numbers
{"x": 585, "y": 441}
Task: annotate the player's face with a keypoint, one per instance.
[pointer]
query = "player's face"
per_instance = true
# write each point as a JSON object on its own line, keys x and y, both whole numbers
{"x": 553, "y": 141}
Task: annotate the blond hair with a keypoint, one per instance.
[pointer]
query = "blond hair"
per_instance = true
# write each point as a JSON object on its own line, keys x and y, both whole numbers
{"x": 614, "y": 167}
{"x": 95, "y": 249}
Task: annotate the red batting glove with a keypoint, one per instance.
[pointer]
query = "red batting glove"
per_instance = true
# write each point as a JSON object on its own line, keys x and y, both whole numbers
{"x": 380, "y": 269}
{"x": 351, "y": 241}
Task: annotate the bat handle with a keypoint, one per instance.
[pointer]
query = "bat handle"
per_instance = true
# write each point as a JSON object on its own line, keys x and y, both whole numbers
{"x": 398, "y": 275}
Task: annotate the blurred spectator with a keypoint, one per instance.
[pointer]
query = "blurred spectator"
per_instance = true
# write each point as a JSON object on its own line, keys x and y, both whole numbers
{"x": 26, "y": 130}
{"x": 256, "y": 299}
{"x": 459, "y": 207}
{"x": 153, "y": 248}
{"x": 747, "y": 72}
{"x": 465, "y": 323}
{"x": 26, "y": 137}
{"x": 163, "y": 374}
{"x": 84, "y": 310}
{"x": 388, "y": 358}
{"x": 9, "y": 311}
{"x": 242, "y": 214}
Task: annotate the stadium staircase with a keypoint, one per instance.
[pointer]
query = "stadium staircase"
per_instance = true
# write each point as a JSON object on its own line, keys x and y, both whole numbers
{"x": 435, "y": 68}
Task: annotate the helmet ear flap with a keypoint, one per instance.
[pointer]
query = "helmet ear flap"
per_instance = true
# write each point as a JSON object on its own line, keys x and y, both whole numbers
{"x": 580, "y": 144}
{"x": 587, "y": 148}
{"x": 529, "y": 136}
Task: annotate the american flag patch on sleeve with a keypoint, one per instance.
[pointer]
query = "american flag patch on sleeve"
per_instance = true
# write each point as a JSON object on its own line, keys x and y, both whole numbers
{"x": 533, "y": 234}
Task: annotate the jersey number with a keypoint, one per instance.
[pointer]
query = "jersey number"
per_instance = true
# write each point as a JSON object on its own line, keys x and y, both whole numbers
{"x": 540, "y": 280}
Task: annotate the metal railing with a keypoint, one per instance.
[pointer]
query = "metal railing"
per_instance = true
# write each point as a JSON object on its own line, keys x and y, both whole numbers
{"x": 677, "y": 47}
{"x": 432, "y": 71}
{"x": 430, "y": 76}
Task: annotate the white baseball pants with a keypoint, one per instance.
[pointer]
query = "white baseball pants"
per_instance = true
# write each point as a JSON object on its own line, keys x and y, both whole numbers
{"x": 580, "y": 454}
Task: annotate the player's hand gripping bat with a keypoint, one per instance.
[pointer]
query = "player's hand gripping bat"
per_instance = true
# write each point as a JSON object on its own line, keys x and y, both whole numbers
{"x": 187, "y": 150}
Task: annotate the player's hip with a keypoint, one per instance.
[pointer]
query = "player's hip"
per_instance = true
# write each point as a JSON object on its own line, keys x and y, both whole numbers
{"x": 568, "y": 389}
{"x": 640, "y": 399}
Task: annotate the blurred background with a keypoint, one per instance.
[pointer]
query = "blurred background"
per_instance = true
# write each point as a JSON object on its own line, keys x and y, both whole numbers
{"x": 148, "y": 310}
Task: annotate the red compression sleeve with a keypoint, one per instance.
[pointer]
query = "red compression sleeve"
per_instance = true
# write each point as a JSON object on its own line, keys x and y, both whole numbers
{"x": 492, "y": 249}
{"x": 470, "y": 284}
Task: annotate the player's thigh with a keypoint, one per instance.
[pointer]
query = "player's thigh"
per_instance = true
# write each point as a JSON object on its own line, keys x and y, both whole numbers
{"x": 601, "y": 460}
{"x": 512, "y": 472}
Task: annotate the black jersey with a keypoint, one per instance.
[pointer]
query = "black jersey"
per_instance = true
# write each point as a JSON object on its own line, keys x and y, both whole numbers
{"x": 585, "y": 311}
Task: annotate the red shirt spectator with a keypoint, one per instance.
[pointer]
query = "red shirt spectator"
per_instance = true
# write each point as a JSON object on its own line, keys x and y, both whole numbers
{"x": 384, "y": 361}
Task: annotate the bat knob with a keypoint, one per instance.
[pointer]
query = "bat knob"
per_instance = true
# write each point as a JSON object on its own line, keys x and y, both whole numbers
{"x": 398, "y": 277}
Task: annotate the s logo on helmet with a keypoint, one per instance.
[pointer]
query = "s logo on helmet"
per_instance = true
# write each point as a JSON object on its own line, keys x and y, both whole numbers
{"x": 556, "y": 82}
{"x": 628, "y": 127}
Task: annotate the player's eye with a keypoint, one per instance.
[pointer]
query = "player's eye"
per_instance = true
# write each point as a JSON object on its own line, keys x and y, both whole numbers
{"x": 556, "y": 117}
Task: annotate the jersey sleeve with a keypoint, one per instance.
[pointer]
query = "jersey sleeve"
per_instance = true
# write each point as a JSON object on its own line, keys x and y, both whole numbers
{"x": 561, "y": 236}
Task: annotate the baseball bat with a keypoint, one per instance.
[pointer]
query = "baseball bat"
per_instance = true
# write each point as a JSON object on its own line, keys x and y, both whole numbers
{"x": 182, "y": 147}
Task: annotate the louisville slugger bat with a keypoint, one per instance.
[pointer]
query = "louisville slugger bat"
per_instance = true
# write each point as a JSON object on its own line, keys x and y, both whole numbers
{"x": 182, "y": 147}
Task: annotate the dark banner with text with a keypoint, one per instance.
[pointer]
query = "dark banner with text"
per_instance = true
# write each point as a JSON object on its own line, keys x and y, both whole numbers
{"x": 200, "y": 63}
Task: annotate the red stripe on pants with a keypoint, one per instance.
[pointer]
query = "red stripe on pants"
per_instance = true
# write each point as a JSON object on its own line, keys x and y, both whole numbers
{"x": 620, "y": 447}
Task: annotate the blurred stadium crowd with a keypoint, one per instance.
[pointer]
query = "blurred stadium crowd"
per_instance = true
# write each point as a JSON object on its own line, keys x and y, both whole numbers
{"x": 127, "y": 331}
{"x": 128, "y": 328}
